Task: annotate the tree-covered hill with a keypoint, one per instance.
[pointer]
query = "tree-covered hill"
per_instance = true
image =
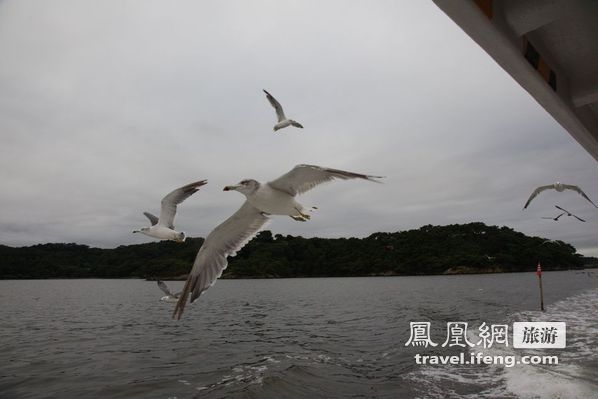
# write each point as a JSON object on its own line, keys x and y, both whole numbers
{"x": 467, "y": 248}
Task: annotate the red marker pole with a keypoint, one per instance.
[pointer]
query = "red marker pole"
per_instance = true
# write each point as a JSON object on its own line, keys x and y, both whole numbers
{"x": 539, "y": 274}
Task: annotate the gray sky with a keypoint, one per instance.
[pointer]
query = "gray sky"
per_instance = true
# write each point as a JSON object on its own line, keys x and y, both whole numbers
{"x": 107, "y": 106}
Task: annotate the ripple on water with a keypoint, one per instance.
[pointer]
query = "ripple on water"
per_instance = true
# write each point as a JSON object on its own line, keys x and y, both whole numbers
{"x": 270, "y": 338}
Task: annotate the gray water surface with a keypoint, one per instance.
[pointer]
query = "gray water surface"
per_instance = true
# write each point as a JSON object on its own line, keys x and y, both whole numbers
{"x": 318, "y": 337}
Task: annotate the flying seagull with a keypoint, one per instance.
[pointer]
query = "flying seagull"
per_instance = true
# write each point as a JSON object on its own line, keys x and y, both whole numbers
{"x": 555, "y": 218}
{"x": 274, "y": 198}
{"x": 569, "y": 213}
{"x": 163, "y": 227}
{"x": 282, "y": 119}
{"x": 170, "y": 297}
{"x": 560, "y": 187}
{"x": 278, "y": 196}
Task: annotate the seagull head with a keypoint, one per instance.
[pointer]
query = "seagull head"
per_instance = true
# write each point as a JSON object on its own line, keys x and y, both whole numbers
{"x": 180, "y": 237}
{"x": 247, "y": 186}
{"x": 141, "y": 230}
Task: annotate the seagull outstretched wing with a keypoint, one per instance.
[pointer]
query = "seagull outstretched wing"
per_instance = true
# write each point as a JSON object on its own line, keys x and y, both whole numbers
{"x": 162, "y": 285}
{"x": 225, "y": 240}
{"x": 580, "y": 191}
{"x": 303, "y": 178}
{"x": 175, "y": 197}
{"x": 152, "y": 218}
{"x": 554, "y": 218}
{"x": 536, "y": 192}
{"x": 277, "y": 107}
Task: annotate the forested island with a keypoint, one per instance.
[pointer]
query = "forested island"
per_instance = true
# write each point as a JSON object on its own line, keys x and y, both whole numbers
{"x": 452, "y": 249}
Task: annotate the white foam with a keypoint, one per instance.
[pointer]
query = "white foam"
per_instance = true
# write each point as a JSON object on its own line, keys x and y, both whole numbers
{"x": 271, "y": 359}
{"x": 324, "y": 358}
{"x": 565, "y": 380}
{"x": 534, "y": 381}
{"x": 241, "y": 374}
{"x": 568, "y": 379}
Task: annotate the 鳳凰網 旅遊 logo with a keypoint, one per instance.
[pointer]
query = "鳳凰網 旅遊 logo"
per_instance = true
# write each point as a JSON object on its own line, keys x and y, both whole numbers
{"x": 524, "y": 335}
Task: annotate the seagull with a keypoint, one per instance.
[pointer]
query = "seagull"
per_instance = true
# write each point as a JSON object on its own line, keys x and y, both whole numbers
{"x": 278, "y": 196}
{"x": 282, "y": 119}
{"x": 555, "y": 218}
{"x": 560, "y": 187}
{"x": 163, "y": 227}
{"x": 569, "y": 213}
{"x": 170, "y": 297}
{"x": 274, "y": 198}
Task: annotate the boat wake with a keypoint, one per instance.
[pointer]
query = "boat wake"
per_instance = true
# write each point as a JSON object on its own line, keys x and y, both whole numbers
{"x": 575, "y": 375}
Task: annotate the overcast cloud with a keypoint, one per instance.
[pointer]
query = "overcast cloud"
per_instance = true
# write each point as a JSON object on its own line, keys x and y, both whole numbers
{"x": 106, "y": 106}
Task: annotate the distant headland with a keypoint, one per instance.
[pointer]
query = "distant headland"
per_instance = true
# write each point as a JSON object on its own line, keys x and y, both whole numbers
{"x": 451, "y": 249}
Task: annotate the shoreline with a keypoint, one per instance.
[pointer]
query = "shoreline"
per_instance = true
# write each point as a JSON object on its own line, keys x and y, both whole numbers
{"x": 229, "y": 277}
{"x": 469, "y": 271}
{"x": 589, "y": 269}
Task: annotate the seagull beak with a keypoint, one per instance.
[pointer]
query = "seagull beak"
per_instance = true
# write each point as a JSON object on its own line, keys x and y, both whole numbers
{"x": 229, "y": 188}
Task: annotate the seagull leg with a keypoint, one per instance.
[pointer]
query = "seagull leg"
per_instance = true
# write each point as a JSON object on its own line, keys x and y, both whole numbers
{"x": 303, "y": 215}
{"x": 298, "y": 218}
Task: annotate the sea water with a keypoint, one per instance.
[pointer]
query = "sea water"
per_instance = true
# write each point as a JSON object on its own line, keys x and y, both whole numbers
{"x": 318, "y": 337}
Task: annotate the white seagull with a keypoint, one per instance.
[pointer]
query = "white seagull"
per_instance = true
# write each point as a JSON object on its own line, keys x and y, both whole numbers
{"x": 560, "y": 187}
{"x": 569, "y": 213}
{"x": 556, "y": 218}
{"x": 170, "y": 297}
{"x": 274, "y": 198}
{"x": 282, "y": 119}
{"x": 163, "y": 227}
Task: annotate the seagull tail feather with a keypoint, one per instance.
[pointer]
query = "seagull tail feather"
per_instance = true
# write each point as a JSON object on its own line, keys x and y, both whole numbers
{"x": 182, "y": 301}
